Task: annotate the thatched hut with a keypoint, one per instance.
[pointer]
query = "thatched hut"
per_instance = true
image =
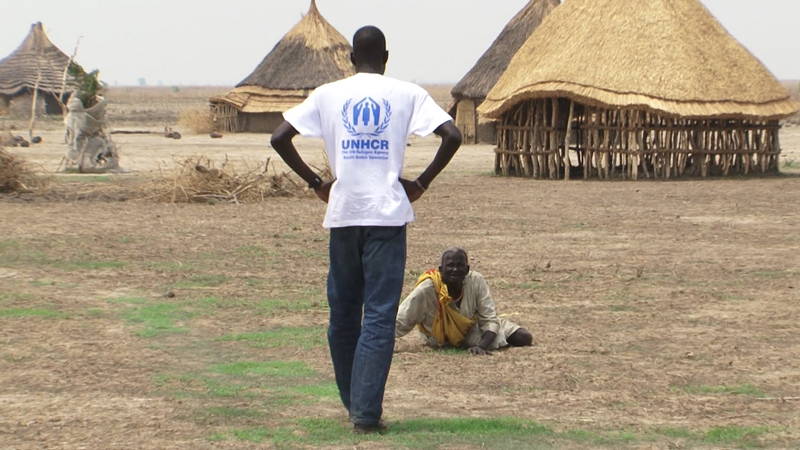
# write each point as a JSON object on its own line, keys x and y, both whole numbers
{"x": 311, "y": 54}
{"x": 470, "y": 91}
{"x": 36, "y": 65}
{"x": 625, "y": 88}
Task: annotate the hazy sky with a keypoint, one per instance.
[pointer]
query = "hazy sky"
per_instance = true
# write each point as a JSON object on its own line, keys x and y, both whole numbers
{"x": 196, "y": 42}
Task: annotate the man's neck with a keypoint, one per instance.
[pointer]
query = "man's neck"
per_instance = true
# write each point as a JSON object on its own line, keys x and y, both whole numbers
{"x": 370, "y": 68}
{"x": 455, "y": 290}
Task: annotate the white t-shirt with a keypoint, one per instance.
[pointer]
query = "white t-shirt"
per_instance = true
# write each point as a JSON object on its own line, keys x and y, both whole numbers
{"x": 365, "y": 121}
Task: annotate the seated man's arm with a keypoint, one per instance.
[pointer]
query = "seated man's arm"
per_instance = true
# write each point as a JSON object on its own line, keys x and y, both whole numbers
{"x": 487, "y": 319}
{"x": 414, "y": 308}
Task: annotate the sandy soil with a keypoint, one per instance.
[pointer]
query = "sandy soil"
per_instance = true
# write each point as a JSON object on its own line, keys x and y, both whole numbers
{"x": 646, "y": 299}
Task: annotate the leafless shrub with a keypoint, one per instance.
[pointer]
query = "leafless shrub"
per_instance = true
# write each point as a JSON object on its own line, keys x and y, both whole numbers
{"x": 16, "y": 175}
{"x": 197, "y": 180}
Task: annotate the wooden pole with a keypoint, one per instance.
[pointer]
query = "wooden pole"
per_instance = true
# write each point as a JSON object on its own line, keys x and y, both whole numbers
{"x": 567, "y": 136}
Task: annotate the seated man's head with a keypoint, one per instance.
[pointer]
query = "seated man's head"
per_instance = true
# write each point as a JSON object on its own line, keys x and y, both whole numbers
{"x": 454, "y": 266}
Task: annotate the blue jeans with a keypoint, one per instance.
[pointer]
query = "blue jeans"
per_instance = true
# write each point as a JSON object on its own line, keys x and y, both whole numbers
{"x": 364, "y": 286}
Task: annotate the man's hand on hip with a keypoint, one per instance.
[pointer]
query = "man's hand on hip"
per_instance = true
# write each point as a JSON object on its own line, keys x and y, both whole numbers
{"x": 414, "y": 189}
{"x": 324, "y": 190}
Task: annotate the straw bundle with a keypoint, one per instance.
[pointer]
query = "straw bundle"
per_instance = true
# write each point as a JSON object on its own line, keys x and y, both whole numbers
{"x": 16, "y": 175}
{"x": 670, "y": 57}
{"x": 197, "y": 180}
{"x": 198, "y": 120}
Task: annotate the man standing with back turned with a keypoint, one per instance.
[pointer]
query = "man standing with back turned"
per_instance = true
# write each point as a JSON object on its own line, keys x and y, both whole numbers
{"x": 365, "y": 121}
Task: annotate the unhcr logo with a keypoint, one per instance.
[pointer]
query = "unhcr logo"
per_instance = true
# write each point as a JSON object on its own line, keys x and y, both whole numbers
{"x": 366, "y": 117}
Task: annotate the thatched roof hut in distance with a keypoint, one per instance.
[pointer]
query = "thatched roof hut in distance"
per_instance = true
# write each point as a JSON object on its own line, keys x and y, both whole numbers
{"x": 623, "y": 88}
{"x": 312, "y": 53}
{"x": 470, "y": 91}
{"x": 37, "y": 58}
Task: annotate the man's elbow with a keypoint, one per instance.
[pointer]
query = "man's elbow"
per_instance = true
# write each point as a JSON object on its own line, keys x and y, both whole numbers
{"x": 452, "y": 137}
{"x": 282, "y": 136}
{"x": 455, "y": 138}
{"x": 278, "y": 140}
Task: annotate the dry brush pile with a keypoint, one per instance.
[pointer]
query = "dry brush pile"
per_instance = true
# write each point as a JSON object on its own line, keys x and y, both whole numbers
{"x": 196, "y": 180}
{"x": 16, "y": 175}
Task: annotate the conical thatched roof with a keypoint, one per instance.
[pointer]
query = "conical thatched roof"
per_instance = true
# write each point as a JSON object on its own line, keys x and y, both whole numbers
{"x": 312, "y": 53}
{"x": 670, "y": 56}
{"x": 20, "y": 69}
{"x": 485, "y": 73}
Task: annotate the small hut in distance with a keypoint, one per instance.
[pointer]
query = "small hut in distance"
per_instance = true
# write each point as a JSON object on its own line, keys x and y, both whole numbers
{"x": 629, "y": 89}
{"x": 37, "y": 64}
{"x": 470, "y": 91}
{"x": 311, "y": 54}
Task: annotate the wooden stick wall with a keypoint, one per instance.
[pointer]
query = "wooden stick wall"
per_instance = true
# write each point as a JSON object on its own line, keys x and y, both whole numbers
{"x": 534, "y": 141}
{"x": 226, "y": 117}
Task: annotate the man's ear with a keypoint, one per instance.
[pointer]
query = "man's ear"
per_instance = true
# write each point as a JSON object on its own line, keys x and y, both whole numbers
{"x": 467, "y": 268}
{"x": 385, "y": 56}
{"x": 353, "y": 58}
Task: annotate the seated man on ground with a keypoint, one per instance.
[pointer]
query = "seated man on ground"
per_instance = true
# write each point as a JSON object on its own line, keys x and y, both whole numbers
{"x": 452, "y": 308}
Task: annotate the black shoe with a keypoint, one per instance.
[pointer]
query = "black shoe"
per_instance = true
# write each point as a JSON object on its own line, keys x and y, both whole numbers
{"x": 372, "y": 428}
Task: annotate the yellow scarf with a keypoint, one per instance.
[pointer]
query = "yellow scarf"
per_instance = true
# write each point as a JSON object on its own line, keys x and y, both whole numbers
{"x": 449, "y": 325}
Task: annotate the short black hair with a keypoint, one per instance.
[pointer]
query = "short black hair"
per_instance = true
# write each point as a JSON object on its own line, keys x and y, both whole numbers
{"x": 369, "y": 43}
{"x": 455, "y": 250}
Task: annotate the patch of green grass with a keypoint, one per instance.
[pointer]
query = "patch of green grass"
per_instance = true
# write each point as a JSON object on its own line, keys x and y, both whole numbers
{"x": 227, "y": 412}
{"x": 735, "y": 435}
{"x": 87, "y": 265}
{"x": 15, "y": 297}
{"x": 496, "y": 433}
{"x": 321, "y": 390}
{"x": 286, "y": 369}
{"x": 600, "y": 439}
{"x": 225, "y": 388}
{"x": 677, "y": 433}
{"x": 452, "y": 351}
{"x": 30, "y": 312}
{"x": 171, "y": 266}
{"x": 257, "y": 435}
{"x": 94, "y": 312}
{"x": 507, "y": 433}
{"x": 84, "y": 178}
{"x": 202, "y": 281}
{"x": 158, "y": 319}
{"x": 43, "y": 283}
{"x": 530, "y": 285}
{"x": 742, "y": 389}
{"x": 252, "y": 434}
{"x": 200, "y": 386}
{"x": 9, "y": 244}
{"x": 790, "y": 164}
{"x": 254, "y": 251}
{"x": 128, "y": 300}
{"x": 303, "y": 337}
{"x": 255, "y": 282}
{"x": 772, "y": 274}
{"x": 206, "y": 303}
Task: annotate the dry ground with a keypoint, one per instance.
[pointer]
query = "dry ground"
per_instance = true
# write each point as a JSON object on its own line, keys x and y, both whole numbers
{"x": 665, "y": 314}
